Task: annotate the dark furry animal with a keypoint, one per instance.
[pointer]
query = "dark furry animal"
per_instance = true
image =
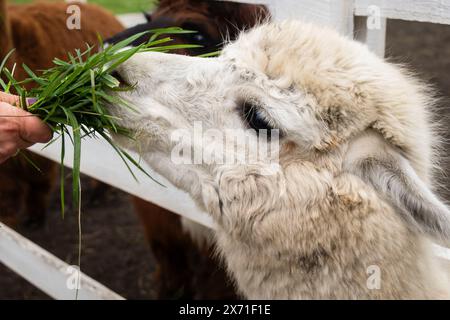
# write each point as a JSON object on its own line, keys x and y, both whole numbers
{"x": 213, "y": 21}
{"x": 38, "y": 32}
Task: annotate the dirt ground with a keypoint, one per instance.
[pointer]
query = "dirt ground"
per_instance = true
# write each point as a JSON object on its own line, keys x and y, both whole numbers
{"x": 114, "y": 249}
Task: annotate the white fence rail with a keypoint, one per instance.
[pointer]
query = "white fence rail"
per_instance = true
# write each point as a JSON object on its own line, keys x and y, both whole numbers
{"x": 100, "y": 161}
{"x": 435, "y": 11}
{"x": 48, "y": 273}
{"x": 366, "y": 17}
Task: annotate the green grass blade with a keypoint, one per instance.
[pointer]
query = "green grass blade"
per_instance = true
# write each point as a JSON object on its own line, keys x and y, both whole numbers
{"x": 76, "y": 132}
{"x": 137, "y": 165}
{"x": 173, "y": 47}
{"x": 2, "y": 65}
{"x": 33, "y": 75}
{"x": 62, "y": 173}
{"x": 211, "y": 54}
{"x": 31, "y": 162}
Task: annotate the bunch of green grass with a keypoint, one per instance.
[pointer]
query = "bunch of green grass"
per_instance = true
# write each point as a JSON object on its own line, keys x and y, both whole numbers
{"x": 74, "y": 95}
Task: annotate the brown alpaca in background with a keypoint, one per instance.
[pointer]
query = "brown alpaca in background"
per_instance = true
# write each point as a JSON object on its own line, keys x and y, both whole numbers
{"x": 38, "y": 32}
{"x": 184, "y": 268}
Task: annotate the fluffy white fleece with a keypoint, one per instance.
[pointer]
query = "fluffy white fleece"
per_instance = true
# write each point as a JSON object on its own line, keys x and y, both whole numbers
{"x": 353, "y": 189}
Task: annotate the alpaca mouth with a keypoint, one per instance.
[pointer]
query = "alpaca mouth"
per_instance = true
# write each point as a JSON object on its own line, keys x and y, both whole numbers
{"x": 122, "y": 82}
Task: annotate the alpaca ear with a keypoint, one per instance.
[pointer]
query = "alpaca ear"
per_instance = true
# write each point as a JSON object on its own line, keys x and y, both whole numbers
{"x": 384, "y": 167}
{"x": 238, "y": 16}
{"x": 166, "y": 3}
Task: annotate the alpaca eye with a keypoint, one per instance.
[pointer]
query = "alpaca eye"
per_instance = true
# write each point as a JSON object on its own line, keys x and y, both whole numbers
{"x": 199, "y": 38}
{"x": 254, "y": 118}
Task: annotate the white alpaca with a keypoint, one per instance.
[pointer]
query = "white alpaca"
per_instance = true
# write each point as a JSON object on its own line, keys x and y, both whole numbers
{"x": 353, "y": 190}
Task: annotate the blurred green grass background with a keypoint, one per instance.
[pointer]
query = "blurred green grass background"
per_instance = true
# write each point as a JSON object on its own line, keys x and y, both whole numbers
{"x": 116, "y": 6}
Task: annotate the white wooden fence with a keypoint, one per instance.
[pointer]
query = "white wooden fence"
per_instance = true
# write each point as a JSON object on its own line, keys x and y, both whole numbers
{"x": 366, "y": 17}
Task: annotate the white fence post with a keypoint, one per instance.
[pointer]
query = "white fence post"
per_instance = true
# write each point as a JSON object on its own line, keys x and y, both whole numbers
{"x": 374, "y": 36}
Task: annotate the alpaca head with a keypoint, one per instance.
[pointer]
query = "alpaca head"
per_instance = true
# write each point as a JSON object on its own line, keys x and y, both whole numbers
{"x": 326, "y": 100}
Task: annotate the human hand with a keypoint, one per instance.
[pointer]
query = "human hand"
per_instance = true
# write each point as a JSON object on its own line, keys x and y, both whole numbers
{"x": 18, "y": 128}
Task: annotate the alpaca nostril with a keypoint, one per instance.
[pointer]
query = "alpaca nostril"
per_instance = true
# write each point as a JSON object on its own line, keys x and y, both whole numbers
{"x": 119, "y": 78}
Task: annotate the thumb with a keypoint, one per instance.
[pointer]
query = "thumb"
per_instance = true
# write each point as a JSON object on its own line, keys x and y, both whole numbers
{"x": 33, "y": 130}
{"x": 9, "y": 98}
